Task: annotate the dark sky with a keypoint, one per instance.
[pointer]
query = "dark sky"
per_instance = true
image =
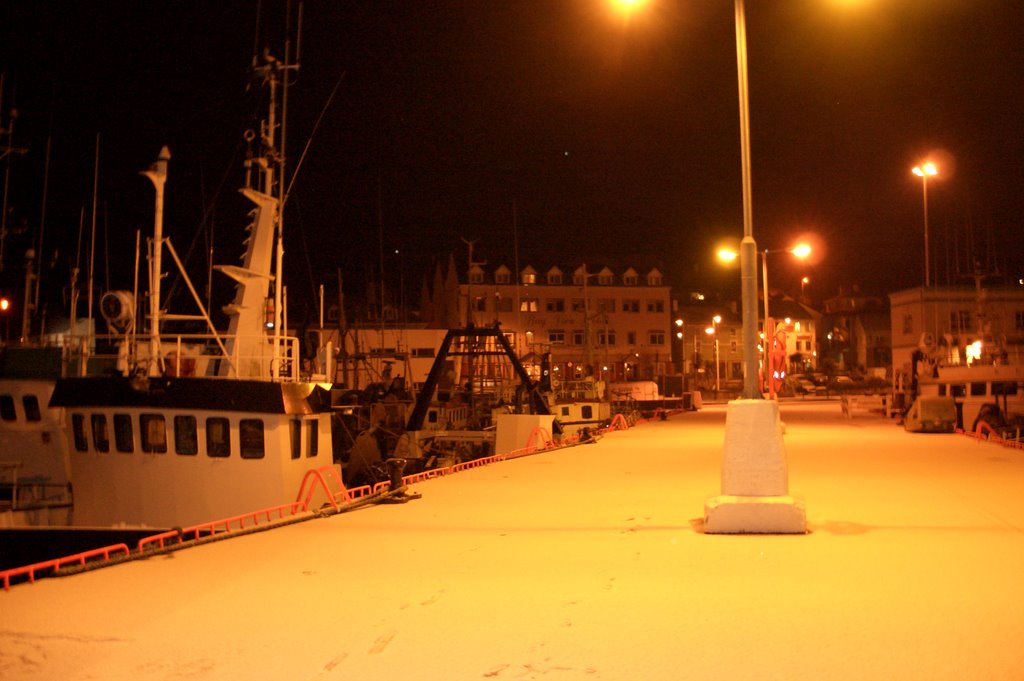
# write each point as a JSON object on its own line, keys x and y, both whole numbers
{"x": 614, "y": 139}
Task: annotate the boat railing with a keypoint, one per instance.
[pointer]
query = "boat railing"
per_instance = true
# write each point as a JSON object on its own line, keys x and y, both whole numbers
{"x": 26, "y": 494}
{"x": 185, "y": 354}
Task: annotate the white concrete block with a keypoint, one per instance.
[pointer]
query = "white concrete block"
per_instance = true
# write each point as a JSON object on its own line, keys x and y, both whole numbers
{"x": 513, "y": 430}
{"x": 727, "y": 514}
{"x": 754, "y": 458}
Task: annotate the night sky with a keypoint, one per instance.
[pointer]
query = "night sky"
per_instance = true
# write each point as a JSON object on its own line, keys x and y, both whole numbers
{"x": 560, "y": 125}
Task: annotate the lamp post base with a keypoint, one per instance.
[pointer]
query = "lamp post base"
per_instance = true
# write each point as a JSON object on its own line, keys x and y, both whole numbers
{"x": 728, "y": 514}
{"x": 755, "y": 489}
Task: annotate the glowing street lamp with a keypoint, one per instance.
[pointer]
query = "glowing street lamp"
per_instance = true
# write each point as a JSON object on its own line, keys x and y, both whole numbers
{"x": 923, "y": 171}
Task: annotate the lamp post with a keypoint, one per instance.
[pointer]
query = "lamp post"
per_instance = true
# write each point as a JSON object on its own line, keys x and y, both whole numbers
{"x": 800, "y": 251}
{"x": 923, "y": 171}
{"x": 713, "y": 331}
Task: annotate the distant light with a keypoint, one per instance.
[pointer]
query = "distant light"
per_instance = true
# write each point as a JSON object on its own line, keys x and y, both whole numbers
{"x": 679, "y": 322}
{"x": 679, "y": 334}
{"x": 727, "y": 254}
{"x": 717, "y": 318}
{"x": 801, "y": 250}
{"x": 4, "y": 304}
{"x": 709, "y": 331}
{"x": 973, "y": 351}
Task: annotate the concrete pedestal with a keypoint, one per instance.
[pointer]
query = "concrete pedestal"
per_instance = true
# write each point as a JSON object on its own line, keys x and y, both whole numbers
{"x": 755, "y": 481}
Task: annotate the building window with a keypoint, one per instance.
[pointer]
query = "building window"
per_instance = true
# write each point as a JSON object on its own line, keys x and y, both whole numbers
{"x": 556, "y": 337}
{"x": 529, "y": 278}
{"x": 218, "y": 437}
{"x": 578, "y": 337}
{"x": 124, "y": 438}
{"x": 100, "y": 437}
{"x": 606, "y": 337}
{"x": 78, "y": 428}
{"x": 555, "y": 304}
{"x": 606, "y": 305}
{"x": 528, "y": 305}
{"x": 604, "y": 279}
{"x": 631, "y": 338}
{"x": 631, "y": 305}
{"x": 555, "y": 278}
{"x": 31, "y": 405}
{"x": 579, "y": 305}
{"x": 153, "y": 430}
{"x": 480, "y": 303}
{"x": 476, "y": 277}
{"x": 503, "y": 277}
{"x": 959, "y": 320}
{"x": 908, "y": 323}
{"x": 423, "y": 352}
{"x": 186, "y": 440}
{"x": 655, "y": 305}
{"x": 656, "y": 337}
{"x": 250, "y": 438}
{"x": 312, "y": 438}
{"x": 654, "y": 280}
{"x": 630, "y": 280}
{"x": 1018, "y": 318}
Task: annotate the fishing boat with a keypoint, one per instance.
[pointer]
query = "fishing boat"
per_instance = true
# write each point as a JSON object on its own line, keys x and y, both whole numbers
{"x": 191, "y": 427}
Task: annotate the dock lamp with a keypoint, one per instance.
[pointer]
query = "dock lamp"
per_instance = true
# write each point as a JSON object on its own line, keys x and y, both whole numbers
{"x": 924, "y": 171}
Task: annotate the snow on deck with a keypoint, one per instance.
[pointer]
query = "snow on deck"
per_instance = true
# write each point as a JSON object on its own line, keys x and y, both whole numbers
{"x": 585, "y": 563}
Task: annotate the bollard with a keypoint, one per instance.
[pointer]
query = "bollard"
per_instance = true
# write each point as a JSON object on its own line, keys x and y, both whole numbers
{"x": 395, "y": 467}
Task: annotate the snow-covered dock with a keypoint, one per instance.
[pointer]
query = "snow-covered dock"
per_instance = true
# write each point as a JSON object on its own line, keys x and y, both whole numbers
{"x": 584, "y": 563}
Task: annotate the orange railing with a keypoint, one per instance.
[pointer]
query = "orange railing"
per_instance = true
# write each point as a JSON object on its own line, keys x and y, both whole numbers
{"x": 56, "y": 564}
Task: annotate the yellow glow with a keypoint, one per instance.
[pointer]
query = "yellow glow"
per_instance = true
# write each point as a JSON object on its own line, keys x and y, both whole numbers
{"x": 679, "y": 322}
{"x": 805, "y": 280}
{"x": 926, "y": 169}
{"x": 4, "y": 304}
{"x": 801, "y": 250}
{"x": 709, "y": 331}
{"x": 717, "y": 318}
{"x": 727, "y": 255}
{"x": 973, "y": 351}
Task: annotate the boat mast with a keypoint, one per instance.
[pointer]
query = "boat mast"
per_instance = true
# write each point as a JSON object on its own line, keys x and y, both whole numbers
{"x": 157, "y": 174}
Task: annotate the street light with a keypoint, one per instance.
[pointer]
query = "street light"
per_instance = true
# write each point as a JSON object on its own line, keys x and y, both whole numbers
{"x": 713, "y": 331}
{"x": 923, "y": 171}
{"x": 800, "y": 251}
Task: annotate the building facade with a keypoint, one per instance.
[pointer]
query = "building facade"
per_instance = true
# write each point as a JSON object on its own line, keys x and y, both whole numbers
{"x": 614, "y": 325}
{"x": 948, "y": 320}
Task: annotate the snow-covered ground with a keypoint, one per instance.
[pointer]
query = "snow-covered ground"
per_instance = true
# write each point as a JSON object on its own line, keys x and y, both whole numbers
{"x": 585, "y": 563}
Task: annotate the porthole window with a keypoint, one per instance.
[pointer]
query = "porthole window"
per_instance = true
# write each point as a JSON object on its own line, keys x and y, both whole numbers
{"x": 100, "y": 435}
{"x": 250, "y": 438}
{"x": 312, "y": 438}
{"x": 153, "y": 429}
{"x": 218, "y": 437}
{"x": 7, "y": 412}
{"x": 186, "y": 442}
{"x": 295, "y": 437}
{"x": 124, "y": 439}
{"x": 78, "y": 431}
{"x": 31, "y": 405}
